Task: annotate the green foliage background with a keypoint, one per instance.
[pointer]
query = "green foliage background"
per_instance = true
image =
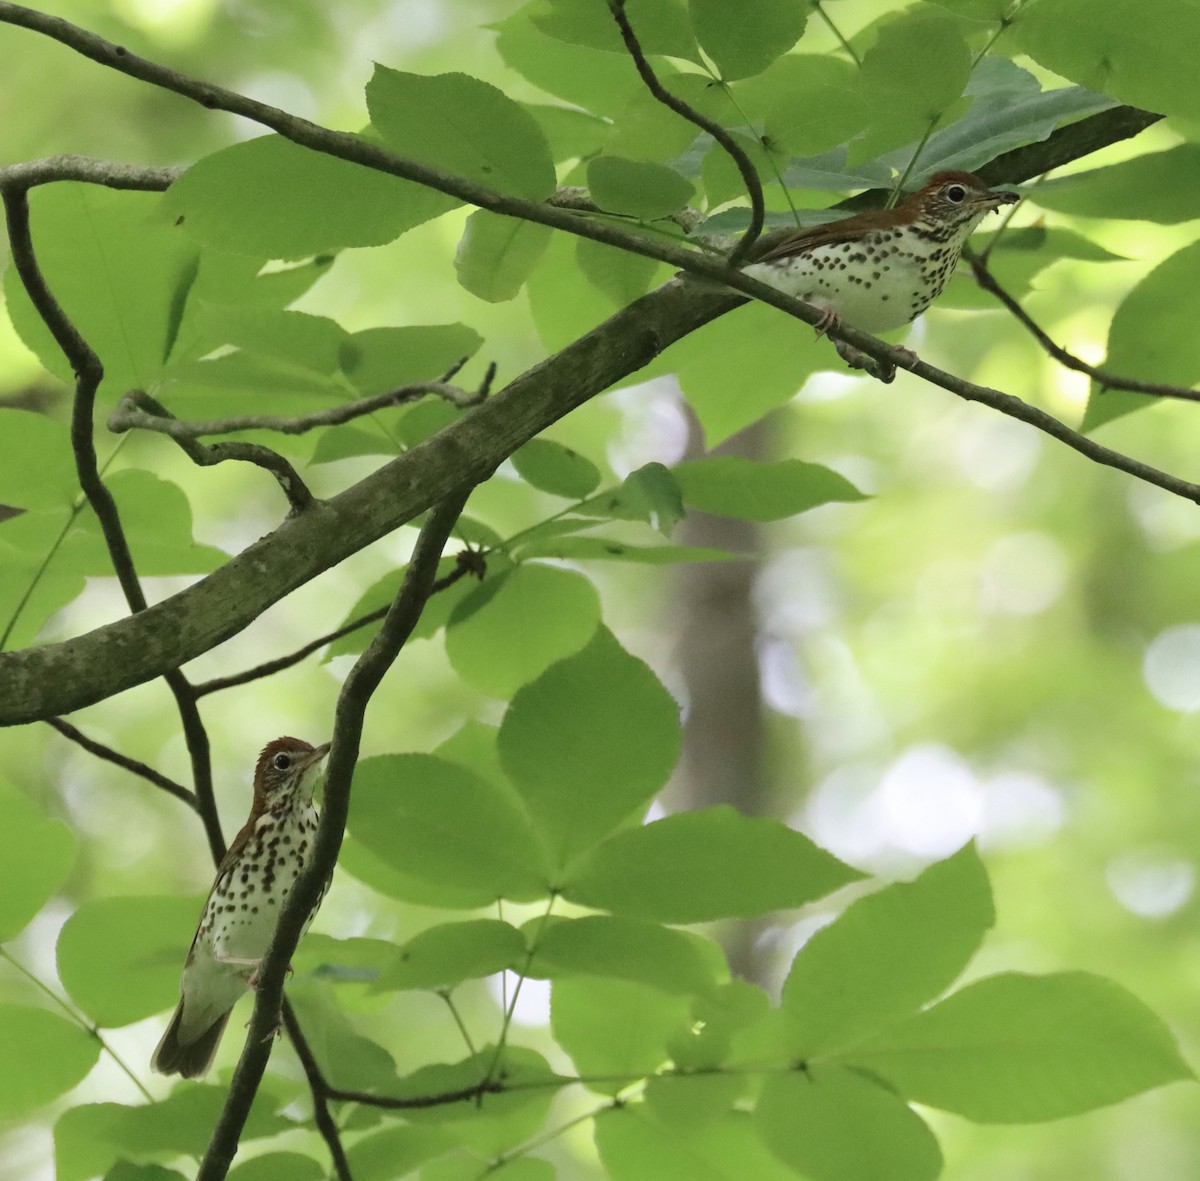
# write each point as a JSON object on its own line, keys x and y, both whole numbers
{"x": 965, "y": 630}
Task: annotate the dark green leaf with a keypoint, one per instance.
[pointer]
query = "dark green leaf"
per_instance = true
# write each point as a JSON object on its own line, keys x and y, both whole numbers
{"x": 444, "y": 956}
{"x": 735, "y": 487}
{"x": 556, "y": 469}
{"x": 745, "y": 38}
{"x": 382, "y": 359}
{"x": 661, "y": 26}
{"x": 497, "y": 254}
{"x": 644, "y": 191}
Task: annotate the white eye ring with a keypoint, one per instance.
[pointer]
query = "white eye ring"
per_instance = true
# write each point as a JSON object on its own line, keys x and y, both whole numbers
{"x": 957, "y": 194}
{"x": 281, "y": 762}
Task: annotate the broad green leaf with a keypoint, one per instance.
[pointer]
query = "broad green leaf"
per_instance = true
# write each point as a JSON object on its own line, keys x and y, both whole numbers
{"x": 38, "y": 858}
{"x": 698, "y": 866}
{"x": 308, "y": 343}
{"x": 745, "y": 38}
{"x": 1138, "y": 51}
{"x": 913, "y": 74}
{"x": 641, "y": 190}
{"x": 1152, "y": 337}
{"x": 30, "y": 590}
{"x": 1154, "y": 187}
{"x": 831, "y": 1124}
{"x": 1014, "y": 1048}
{"x": 627, "y": 949}
{"x": 620, "y": 274}
{"x": 355, "y": 960}
{"x": 382, "y": 875}
{"x": 278, "y": 1166}
{"x": 729, "y": 385}
{"x": 650, "y": 494}
{"x": 661, "y": 26}
{"x": 37, "y": 465}
{"x": 157, "y": 518}
{"x": 594, "y": 79}
{"x": 588, "y": 744}
{"x": 636, "y": 1144}
{"x": 464, "y": 126}
{"x": 380, "y": 359}
{"x": 497, "y": 254}
{"x": 980, "y": 10}
{"x": 556, "y": 469}
{"x": 690, "y": 1101}
{"x": 564, "y": 302}
{"x": 346, "y": 1058}
{"x": 445, "y": 956}
{"x": 397, "y": 1151}
{"x": 735, "y": 487}
{"x": 42, "y": 1056}
{"x": 272, "y": 198}
{"x": 572, "y": 134}
{"x": 124, "y": 1171}
{"x": 512, "y": 628}
{"x": 91, "y": 1137}
{"x": 615, "y": 1027}
{"x": 886, "y": 955}
{"x": 113, "y": 261}
{"x": 822, "y": 105}
{"x": 443, "y": 824}
{"x": 120, "y": 958}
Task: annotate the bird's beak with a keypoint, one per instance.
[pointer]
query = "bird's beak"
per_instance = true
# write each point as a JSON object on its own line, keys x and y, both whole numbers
{"x": 317, "y": 755}
{"x": 998, "y": 197}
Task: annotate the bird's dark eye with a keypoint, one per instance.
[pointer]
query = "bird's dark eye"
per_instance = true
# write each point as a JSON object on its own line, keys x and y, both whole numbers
{"x": 281, "y": 762}
{"x": 957, "y": 194}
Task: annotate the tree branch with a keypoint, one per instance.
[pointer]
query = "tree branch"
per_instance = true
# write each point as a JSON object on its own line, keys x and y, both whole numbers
{"x": 318, "y": 1085}
{"x": 352, "y": 702}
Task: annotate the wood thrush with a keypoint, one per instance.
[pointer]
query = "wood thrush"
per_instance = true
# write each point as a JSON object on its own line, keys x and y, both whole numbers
{"x": 238, "y": 920}
{"x": 878, "y": 270}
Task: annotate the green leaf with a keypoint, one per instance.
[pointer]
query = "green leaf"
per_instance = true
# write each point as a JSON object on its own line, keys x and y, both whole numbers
{"x": 345, "y": 1058}
{"x": 464, "y": 126}
{"x": 91, "y": 1137}
{"x": 447, "y": 826}
{"x": 698, "y": 866}
{"x": 512, "y": 628}
{"x": 124, "y": 1171}
{"x": 397, "y": 1151}
{"x": 886, "y": 955}
{"x": 380, "y": 359}
{"x": 635, "y": 1143}
{"x": 644, "y": 191}
{"x": 588, "y": 744}
{"x": 38, "y": 859}
{"x": 1014, "y": 1048}
{"x": 1142, "y": 54}
{"x": 914, "y": 72}
{"x": 627, "y": 949}
{"x": 833, "y": 1125}
{"x": 274, "y": 199}
{"x": 497, "y": 254}
{"x": 37, "y": 465}
{"x": 650, "y": 494}
{"x": 564, "y": 302}
{"x": 278, "y": 1166}
{"x": 1152, "y": 337}
{"x": 1154, "y": 187}
{"x": 744, "y": 39}
{"x": 732, "y": 486}
{"x": 42, "y": 1056}
{"x": 113, "y": 261}
{"x": 341, "y": 960}
{"x": 620, "y": 274}
{"x": 661, "y": 26}
{"x": 157, "y": 518}
{"x": 615, "y": 1027}
{"x": 556, "y": 469}
{"x": 120, "y": 958}
{"x": 820, "y": 107}
{"x": 445, "y": 956}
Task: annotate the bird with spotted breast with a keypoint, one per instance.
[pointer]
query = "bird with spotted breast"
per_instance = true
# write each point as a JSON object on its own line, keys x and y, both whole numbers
{"x": 880, "y": 269}
{"x": 252, "y": 883}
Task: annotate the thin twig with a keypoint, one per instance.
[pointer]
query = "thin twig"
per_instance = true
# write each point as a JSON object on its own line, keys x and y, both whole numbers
{"x": 138, "y": 409}
{"x": 352, "y": 702}
{"x": 686, "y": 111}
{"x": 1110, "y": 381}
{"x": 136, "y": 177}
{"x": 420, "y": 1102}
{"x": 318, "y": 1085}
{"x": 468, "y": 563}
{"x": 134, "y": 412}
{"x": 124, "y": 761}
